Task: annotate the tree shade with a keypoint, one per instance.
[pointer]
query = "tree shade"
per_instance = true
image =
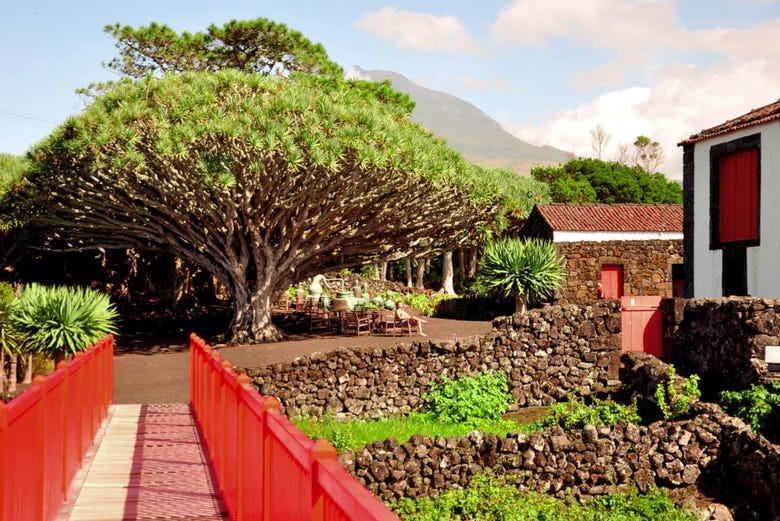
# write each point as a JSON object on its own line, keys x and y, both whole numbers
{"x": 261, "y": 180}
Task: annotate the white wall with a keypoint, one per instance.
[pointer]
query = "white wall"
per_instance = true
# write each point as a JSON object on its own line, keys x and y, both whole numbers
{"x": 561, "y": 236}
{"x": 763, "y": 261}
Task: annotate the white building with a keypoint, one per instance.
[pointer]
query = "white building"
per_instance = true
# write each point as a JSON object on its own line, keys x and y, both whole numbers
{"x": 731, "y": 186}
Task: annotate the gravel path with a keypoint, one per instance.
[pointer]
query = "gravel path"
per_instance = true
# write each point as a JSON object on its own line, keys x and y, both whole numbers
{"x": 155, "y": 369}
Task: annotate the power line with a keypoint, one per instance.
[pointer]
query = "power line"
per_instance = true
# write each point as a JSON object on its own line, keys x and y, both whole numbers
{"x": 27, "y": 116}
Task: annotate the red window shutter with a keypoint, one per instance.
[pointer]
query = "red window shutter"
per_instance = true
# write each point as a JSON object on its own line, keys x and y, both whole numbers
{"x": 738, "y": 219}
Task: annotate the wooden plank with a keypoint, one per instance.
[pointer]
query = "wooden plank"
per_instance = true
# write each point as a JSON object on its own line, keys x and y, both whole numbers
{"x": 149, "y": 465}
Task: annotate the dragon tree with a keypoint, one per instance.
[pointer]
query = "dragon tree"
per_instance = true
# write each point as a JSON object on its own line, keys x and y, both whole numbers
{"x": 261, "y": 180}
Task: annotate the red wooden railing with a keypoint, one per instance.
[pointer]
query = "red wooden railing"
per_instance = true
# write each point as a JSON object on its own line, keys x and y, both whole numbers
{"x": 46, "y": 431}
{"x": 267, "y": 469}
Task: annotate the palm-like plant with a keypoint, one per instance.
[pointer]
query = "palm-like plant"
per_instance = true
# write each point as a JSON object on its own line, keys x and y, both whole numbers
{"x": 60, "y": 321}
{"x": 529, "y": 270}
{"x": 9, "y": 338}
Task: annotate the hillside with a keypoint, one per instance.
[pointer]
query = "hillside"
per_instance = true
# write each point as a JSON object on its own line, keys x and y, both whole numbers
{"x": 466, "y": 128}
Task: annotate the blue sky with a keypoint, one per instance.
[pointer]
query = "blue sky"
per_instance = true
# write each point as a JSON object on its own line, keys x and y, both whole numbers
{"x": 548, "y": 70}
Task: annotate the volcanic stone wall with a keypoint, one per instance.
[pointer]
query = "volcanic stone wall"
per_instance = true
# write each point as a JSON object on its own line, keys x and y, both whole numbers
{"x": 721, "y": 340}
{"x": 710, "y": 449}
{"x": 647, "y": 267}
{"x": 544, "y": 354}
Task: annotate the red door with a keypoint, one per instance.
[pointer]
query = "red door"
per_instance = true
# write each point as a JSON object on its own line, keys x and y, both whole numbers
{"x": 612, "y": 280}
{"x": 642, "y": 325}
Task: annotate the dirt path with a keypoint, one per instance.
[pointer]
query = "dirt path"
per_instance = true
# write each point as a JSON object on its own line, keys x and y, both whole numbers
{"x": 155, "y": 369}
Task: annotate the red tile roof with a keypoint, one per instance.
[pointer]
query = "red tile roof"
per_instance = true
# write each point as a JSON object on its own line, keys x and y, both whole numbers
{"x": 753, "y": 118}
{"x": 613, "y": 217}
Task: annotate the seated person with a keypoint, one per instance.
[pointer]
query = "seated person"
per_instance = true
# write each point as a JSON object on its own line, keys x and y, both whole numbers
{"x": 402, "y": 314}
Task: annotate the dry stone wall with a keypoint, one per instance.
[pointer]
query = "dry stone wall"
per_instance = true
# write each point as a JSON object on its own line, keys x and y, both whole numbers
{"x": 711, "y": 450}
{"x": 545, "y": 354}
{"x": 721, "y": 340}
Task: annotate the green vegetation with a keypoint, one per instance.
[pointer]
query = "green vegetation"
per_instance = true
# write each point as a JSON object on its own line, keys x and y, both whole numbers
{"x": 529, "y": 270}
{"x": 492, "y": 498}
{"x": 596, "y": 181}
{"x": 425, "y": 303}
{"x": 356, "y": 434}
{"x": 756, "y": 406}
{"x": 674, "y": 404}
{"x": 452, "y": 408}
{"x": 59, "y": 321}
{"x": 484, "y": 396}
{"x": 576, "y": 414}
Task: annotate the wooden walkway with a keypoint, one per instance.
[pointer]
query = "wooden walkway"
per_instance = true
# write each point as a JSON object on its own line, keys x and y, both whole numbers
{"x": 149, "y": 464}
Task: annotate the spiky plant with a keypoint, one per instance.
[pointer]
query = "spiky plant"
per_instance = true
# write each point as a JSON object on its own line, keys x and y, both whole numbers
{"x": 529, "y": 270}
{"x": 60, "y": 321}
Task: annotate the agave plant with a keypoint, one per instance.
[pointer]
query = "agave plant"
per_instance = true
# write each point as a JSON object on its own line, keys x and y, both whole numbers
{"x": 529, "y": 270}
{"x": 59, "y": 321}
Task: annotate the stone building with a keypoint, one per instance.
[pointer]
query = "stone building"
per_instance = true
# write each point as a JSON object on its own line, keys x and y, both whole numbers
{"x": 730, "y": 178}
{"x": 613, "y": 250}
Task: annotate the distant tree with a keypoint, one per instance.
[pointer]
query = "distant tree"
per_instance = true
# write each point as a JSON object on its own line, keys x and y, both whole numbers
{"x": 262, "y": 181}
{"x": 259, "y": 46}
{"x": 648, "y": 154}
{"x": 12, "y": 168}
{"x": 623, "y": 155}
{"x": 585, "y": 180}
{"x": 599, "y": 140}
{"x": 529, "y": 270}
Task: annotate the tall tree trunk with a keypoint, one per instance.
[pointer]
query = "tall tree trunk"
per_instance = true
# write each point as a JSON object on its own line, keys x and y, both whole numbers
{"x": 409, "y": 278}
{"x": 419, "y": 282}
{"x": 252, "y": 319}
{"x": 28, "y": 370}
{"x": 447, "y": 274}
{"x": 473, "y": 258}
{"x": 383, "y": 271}
{"x": 521, "y": 302}
{"x": 461, "y": 264}
{"x": 12, "y": 380}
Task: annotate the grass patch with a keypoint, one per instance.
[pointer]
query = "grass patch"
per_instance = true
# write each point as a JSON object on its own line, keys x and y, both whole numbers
{"x": 490, "y": 497}
{"x": 355, "y": 434}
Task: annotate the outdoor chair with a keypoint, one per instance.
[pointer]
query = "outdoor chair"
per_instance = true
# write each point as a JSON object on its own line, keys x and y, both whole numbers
{"x": 357, "y": 324}
{"x": 318, "y": 317}
{"x": 389, "y": 324}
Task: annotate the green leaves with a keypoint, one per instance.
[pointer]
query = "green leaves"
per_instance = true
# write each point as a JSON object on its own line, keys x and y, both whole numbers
{"x": 758, "y": 406}
{"x": 484, "y": 396}
{"x": 532, "y": 268}
{"x": 675, "y": 404}
{"x": 59, "y": 320}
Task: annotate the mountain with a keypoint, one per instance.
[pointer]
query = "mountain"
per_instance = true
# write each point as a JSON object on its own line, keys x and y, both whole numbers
{"x": 466, "y": 128}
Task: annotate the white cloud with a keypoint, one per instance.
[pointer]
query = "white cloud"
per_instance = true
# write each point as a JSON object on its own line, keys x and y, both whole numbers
{"x": 418, "y": 31}
{"x": 640, "y": 34}
{"x": 685, "y": 100}
{"x": 494, "y": 83}
{"x": 606, "y": 24}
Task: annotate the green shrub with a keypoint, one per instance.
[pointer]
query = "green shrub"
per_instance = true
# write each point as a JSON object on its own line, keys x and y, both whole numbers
{"x": 576, "y": 414}
{"x": 491, "y": 498}
{"x": 673, "y": 404}
{"x": 483, "y": 396}
{"x": 426, "y": 304}
{"x": 754, "y": 406}
{"x": 58, "y": 321}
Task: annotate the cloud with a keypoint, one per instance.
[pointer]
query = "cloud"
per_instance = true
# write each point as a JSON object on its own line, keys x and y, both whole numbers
{"x": 642, "y": 35}
{"x": 685, "y": 100}
{"x": 418, "y": 31}
{"x": 605, "y": 24}
{"x": 494, "y": 83}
